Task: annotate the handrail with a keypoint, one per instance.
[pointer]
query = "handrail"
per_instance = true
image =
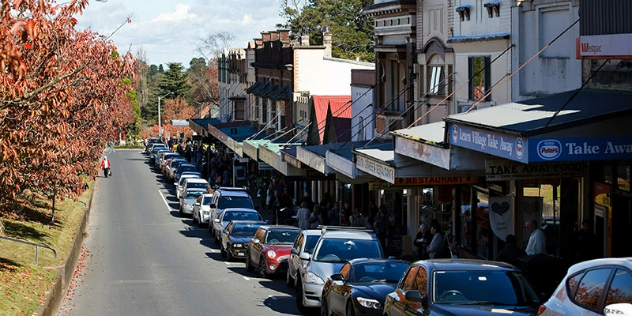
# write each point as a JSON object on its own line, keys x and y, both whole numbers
{"x": 33, "y": 244}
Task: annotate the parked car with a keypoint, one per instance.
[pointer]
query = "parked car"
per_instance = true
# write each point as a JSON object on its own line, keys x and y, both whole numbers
{"x": 236, "y": 236}
{"x": 361, "y": 286}
{"x": 155, "y": 152}
{"x": 304, "y": 243}
{"x": 336, "y": 246}
{"x": 462, "y": 287}
{"x": 150, "y": 142}
{"x": 151, "y": 146}
{"x": 590, "y": 286}
{"x": 225, "y": 197}
{"x": 164, "y": 159}
{"x": 173, "y": 166}
{"x": 182, "y": 168}
{"x": 188, "y": 199}
{"x": 230, "y": 214}
{"x": 180, "y": 183}
{"x": 189, "y": 183}
{"x": 269, "y": 249}
{"x": 202, "y": 209}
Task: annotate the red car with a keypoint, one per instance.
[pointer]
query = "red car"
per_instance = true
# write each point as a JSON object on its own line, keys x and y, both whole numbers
{"x": 269, "y": 249}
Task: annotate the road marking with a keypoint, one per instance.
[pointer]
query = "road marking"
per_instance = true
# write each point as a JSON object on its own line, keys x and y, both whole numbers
{"x": 165, "y": 200}
{"x": 214, "y": 250}
{"x": 246, "y": 278}
{"x": 227, "y": 263}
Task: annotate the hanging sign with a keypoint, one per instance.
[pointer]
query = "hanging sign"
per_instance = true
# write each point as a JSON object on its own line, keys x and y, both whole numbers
{"x": 500, "y": 214}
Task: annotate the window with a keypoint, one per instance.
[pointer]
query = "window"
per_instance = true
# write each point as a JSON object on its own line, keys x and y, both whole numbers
{"x": 345, "y": 270}
{"x": 394, "y": 88}
{"x": 620, "y": 290}
{"x": 409, "y": 279}
{"x": 436, "y": 80}
{"x": 591, "y": 287}
{"x": 264, "y": 110}
{"x": 479, "y": 72}
{"x": 298, "y": 243}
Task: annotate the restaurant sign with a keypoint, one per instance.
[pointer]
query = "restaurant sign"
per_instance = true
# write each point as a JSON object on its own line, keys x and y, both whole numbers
{"x": 507, "y": 146}
{"x": 428, "y": 181}
{"x": 502, "y": 169}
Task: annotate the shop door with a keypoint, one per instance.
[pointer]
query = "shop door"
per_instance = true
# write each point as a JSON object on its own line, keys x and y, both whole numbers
{"x": 621, "y": 223}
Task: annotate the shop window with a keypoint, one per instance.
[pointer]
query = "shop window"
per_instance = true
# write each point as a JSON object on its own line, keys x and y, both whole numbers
{"x": 541, "y": 202}
{"x": 623, "y": 177}
{"x": 436, "y": 80}
{"x": 464, "y": 12}
{"x": 480, "y": 72}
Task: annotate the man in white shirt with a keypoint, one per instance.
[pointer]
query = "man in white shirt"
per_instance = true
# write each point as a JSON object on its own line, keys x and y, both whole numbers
{"x": 537, "y": 240}
{"x": 302, "y": 215}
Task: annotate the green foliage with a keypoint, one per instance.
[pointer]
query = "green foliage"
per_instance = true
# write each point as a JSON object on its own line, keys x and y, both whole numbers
{"x": 352, "y": 31}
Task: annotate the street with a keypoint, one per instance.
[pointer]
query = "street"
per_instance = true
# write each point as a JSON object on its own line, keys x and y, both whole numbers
{"x": 143, "y": 259}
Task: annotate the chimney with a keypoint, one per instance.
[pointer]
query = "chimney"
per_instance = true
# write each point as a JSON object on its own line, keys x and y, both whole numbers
{"x": 305, "y": 40}
{"x": 274, "y": 35}
{"x": 327, "y": 41}
{"x": 285, "y": 35}
{"x": 265, "y": 36}
{"x": 258, "y": 42}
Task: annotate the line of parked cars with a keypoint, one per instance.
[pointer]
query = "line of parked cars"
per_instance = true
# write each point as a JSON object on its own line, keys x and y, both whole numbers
{"x": 344, "y": 271}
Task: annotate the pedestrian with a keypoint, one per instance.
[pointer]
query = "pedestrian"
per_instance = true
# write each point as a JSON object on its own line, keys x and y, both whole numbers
{"x": 373, "y": 210}
{"x": 334, "y": 215}
{"x": 302, "y": 216}
{"x": 111, "y": 144}
{"x": 438, "y": 239}
{"x": 380, "y": 225}
{"x": 106, "y": 167}
{"x": 537, "y": 240}
{"x": 270, "y": 198}
{"x": 316, "y": 218}
{"x": 357, "y": 219}
{"x": 512, "y": 252}
{"x": 345, "y": 213}
{"x": 422, "y": 239}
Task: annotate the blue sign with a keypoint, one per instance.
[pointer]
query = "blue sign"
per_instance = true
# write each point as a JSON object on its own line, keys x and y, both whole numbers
{"x": 498, "y": 144}
{"x": 580, "y": 148}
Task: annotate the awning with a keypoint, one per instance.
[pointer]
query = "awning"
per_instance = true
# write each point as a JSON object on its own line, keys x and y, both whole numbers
{"x": 340, "y": 159}
{"x": 591, "y": 125}
{"x": 232, "y": 134}
{"x": 251, "y": 147}
{"x": 200, "y": 125}
{"x": 270, "y": 153}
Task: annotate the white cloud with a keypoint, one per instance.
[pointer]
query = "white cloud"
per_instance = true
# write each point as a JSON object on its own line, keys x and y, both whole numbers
{"x": 181, "y": 13}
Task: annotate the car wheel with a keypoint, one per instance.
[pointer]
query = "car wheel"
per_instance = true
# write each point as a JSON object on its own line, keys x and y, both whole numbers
{"x": 299, "y": 298}
{"x": 323, "y": 307}
{"x": 262, "y": 268}
{"x": 288, "y": 278}
{"x": 349, "y": 310}
{"x": 249, "y": 267}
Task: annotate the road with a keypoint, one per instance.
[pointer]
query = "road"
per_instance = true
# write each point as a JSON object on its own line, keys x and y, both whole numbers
{"x": 142, "y": 259}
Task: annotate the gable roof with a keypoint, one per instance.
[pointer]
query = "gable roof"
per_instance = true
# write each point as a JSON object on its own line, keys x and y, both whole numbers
{"x": 339, "y": 105}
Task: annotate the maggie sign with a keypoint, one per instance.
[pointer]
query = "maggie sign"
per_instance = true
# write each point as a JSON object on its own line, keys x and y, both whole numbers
{"x": 580, "y": 148}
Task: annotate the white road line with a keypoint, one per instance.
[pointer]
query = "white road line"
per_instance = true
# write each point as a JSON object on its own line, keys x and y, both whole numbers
{"x": 213, "y": 250}
{"x": 246, "y": 278}
{"x": 227, "y": 263}
{"x": 165, "y": 200}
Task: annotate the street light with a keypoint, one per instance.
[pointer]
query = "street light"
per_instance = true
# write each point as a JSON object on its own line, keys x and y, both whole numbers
{"x": 159, "y": 123}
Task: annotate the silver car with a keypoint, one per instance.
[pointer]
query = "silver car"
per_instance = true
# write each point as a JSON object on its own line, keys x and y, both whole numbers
{"x": 188, "y": 199}
{"x": 202, "y": 209}
{"x": 305, "y": 243}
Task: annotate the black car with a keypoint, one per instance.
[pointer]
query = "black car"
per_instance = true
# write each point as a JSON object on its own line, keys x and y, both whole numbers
{"x": 361, "y": 287}
{"x": 236, "y": 236}
{"x": 462, "y": 287}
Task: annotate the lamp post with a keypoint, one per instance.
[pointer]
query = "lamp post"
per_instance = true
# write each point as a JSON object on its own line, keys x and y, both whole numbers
{"x": 159, "y": 122}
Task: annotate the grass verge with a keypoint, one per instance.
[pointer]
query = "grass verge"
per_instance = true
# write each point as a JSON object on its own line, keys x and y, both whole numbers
{"x": 23, "y": 285}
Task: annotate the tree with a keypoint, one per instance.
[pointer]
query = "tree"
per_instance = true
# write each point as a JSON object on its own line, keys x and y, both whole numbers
{"x": 63, "y": 97}
{"x": 352, "y": 31}
{"x": 204, "y": 82}
{"x": 214, "y": 45}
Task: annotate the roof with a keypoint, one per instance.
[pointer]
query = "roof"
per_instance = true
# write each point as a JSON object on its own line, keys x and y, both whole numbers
{"x": 342, "y": 128}
{"x": 339, "y": 108}
{"x": 239, "y": 209}
{"x": 349, "y": 234}
{"x": 430, "y": 133}
{"x": 465, "y": 264}
{"x": 196, "y": 180}
{"x": 531, "y": 117}
{"x": 276, "y": 227}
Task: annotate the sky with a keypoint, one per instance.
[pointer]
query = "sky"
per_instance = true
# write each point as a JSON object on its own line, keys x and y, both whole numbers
{"x": 170, "y": 31}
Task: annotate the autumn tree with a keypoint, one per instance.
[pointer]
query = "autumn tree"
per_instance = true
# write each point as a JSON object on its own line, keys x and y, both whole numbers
{"x": 63, "y": 97}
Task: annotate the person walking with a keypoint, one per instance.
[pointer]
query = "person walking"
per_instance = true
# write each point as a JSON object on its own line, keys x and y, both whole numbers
{"x": 302, "y": 216}
{"x": 438, "y": 239}
{"x": 316, "y": 219}
{"x": 537, "y": 240}
{"x": 105, "y": 166}
{"x": 111, "y": 144}
{"x": 334, "y": 215}
{"x": 422, "y": 239}
{"x": 357, "y": 219}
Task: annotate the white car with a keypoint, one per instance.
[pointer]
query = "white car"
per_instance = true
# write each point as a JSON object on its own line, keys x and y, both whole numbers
{"x": 227, "y": 197}
{"x": 187, "y": 199}
{"x": 202, "y": 209}
{"x": 190, "y": 183}
{"x": 233, "y": 214}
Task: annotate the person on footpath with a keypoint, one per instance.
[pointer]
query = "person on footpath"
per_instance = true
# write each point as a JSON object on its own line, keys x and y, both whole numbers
{"x": 537, "y": 240}
{"x": 105, "y": 166}
{"x": 111, "y": 144}
{"x": 302, "y": 216}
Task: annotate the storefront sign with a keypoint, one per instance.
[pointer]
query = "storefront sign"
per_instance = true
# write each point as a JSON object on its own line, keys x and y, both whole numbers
{"x": 433, "y": 155}
{"x": 428, "y": 181}
{"x": 340, "y": 164}
{"x": 372, "y": 167}
{"x": 580, "y": 148}
{"x": 498, "y": 144}
{"x": 607, "y": 45}
{"x": 502, "y": 169}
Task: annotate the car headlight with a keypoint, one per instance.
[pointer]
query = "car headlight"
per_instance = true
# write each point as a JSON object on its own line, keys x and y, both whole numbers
{"x": 369, "y": 303}
{"x": 238, "y": 245}
{"x": 185, "y": 205}
{"x": 314, "y": 279}
{"x": 271, "y": 254}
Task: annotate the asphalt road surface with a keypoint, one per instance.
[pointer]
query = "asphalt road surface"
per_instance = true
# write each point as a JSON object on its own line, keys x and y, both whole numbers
{"x": 143, "y": 259}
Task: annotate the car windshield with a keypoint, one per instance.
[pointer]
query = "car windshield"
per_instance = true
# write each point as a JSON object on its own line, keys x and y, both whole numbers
{"x": 193, "y": 194}
{"x": 281, "y": 237}
{"x": 482, "y": 287}
{"x": 241, "y": 216}
{"x": 311, "y": 243}
{"x": 343, "y": 250}
{"x": 186, "y": 168}
{"x": 245, "y": 229}
{"x": 378, "y": 271}
{"x": 175, "y": 164}
{"x": 196, "y": 185}
{"x": 234, "y": 202}
{"x": 207, "y": 200}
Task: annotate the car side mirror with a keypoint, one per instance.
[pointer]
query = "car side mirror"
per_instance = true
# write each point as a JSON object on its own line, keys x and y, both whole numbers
{"x": 304, "y": 256}
{"x": 256, "y": 241}
{"x": 618, "y": 309}
{"x": 294, "y": 251}
{"x": 216, "y": 220}
{"x": 337, "y": 277}
{"x": 413, "y": 296}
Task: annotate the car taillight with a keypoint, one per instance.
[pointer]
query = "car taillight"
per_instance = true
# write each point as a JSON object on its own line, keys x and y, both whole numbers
{"x": 541, "y": 309}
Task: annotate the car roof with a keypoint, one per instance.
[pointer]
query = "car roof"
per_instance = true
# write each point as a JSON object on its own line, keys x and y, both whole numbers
{"x": 626, "y": 262}
{"x": 342, "y": 232}
{"x": 464, "y": 264}
{"x": 364, "y": 260}
{"x": 312, "y": 232}
{"x": 195, "y": 180}
{"x": 232, "y": 193}
{"x": 279, "y": 227}
{"x": 187, "y": 165}
{"x": 194, "y": 189}
{"x": 241, "y": 221}
{"x": 238, "y": 209}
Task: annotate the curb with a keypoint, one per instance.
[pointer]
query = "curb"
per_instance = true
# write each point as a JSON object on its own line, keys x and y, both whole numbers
{"x": 62, "y": 280}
